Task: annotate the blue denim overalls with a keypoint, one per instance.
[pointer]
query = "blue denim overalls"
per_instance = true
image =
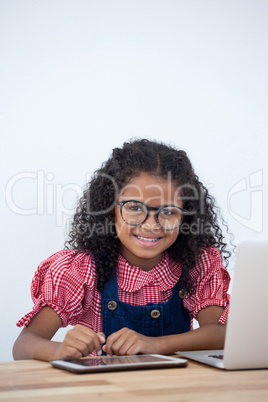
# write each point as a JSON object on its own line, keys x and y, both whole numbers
{"x": 158, "y": 319}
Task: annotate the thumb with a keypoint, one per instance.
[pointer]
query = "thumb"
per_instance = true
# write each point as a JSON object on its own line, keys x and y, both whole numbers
{"x": 101, "y": 337}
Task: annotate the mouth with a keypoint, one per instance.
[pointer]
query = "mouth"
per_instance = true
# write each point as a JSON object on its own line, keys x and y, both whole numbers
{"x": 150, "y": 239}
{"x": 147, "y": 241}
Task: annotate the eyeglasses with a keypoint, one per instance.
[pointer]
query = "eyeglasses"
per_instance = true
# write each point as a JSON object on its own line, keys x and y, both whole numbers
{"x": 169, "y": 217}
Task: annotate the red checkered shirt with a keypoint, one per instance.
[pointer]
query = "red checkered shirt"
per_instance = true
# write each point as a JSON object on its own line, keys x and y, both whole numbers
{"x": 67, "y": 282}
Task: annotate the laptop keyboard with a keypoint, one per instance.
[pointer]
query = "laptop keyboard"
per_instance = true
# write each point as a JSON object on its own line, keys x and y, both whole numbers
{"x": 216, "y": 356}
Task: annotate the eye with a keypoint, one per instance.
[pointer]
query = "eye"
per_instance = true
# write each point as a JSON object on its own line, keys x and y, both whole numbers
{"x": 169, "y": 212}
{"x": 133, "y": 207}
{"x": 166, "y": 212}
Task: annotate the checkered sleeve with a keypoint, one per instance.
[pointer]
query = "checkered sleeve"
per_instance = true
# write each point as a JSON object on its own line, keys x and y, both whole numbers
{"x": 60, "y": 283}
{"x": 211, "y": 283}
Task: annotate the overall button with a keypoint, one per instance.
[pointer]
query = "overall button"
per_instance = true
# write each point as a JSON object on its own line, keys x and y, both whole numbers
{"x": 112, "y": 305}
{"x": 155, "y": 313}
{"x": 182, "y": 293}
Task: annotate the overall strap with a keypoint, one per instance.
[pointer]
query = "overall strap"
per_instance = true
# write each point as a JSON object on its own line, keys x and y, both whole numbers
{"x": 110, "y": 290}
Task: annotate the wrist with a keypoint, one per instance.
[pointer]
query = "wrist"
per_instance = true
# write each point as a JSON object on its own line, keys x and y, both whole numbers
{"x": 157, "y": 345}
{"x": 167, "y": 345}
{"x": 47, "y": 351}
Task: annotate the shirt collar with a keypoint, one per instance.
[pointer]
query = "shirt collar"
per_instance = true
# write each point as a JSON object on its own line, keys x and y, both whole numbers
{"x": 130, "y": 278}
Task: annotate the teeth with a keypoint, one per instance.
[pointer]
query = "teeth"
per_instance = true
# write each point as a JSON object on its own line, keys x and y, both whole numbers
{"x": 146, "y": 238}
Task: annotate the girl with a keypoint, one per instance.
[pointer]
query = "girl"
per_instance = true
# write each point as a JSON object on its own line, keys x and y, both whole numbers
{"x": 144, "y": 258}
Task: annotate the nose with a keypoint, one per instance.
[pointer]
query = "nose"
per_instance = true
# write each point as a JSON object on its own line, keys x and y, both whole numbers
{"x": 151, "y": 224}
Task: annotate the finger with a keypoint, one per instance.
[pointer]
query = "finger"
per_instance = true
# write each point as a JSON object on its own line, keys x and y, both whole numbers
{"x": 101, "y": 337}
{"x": 119, "y": 346}
{"x": 108, "y": 348}
{"x": 96, "y": 344}
{"x": 127, "y": 345}
{"x": 92, "y": 339}
{"x": 134, "y": 349}
{"x": 81, "y": 345}
{"x": 69, "y": 351}
{"x": 83, "y": 339}
{"x": 121, "y": 341}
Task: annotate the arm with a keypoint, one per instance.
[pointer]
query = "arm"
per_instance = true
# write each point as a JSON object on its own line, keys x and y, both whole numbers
{"x": 210, "y": 335}
{"x": 34, "y": 342}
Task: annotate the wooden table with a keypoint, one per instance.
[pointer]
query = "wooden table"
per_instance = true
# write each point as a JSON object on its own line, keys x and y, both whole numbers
{"x": 30, "y": 380}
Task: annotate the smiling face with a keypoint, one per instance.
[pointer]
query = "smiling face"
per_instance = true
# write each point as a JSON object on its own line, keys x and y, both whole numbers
{"x": 143, "y": 245}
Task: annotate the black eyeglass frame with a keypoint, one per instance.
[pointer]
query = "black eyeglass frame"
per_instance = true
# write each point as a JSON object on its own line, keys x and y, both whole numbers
{"x": 158, "y": 210}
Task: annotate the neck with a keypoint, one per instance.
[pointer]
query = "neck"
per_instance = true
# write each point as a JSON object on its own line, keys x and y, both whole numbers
{"x": 142, "y": 263}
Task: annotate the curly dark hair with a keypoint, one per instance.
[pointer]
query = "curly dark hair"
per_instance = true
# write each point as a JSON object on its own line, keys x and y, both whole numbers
{"x": 93, "y": 227}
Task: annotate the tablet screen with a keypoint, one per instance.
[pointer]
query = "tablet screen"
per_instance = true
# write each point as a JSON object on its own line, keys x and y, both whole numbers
{"x": 111, "y": 360}
{"x": 115, "y": 363}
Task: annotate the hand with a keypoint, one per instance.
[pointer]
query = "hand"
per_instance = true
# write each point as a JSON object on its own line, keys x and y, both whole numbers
{"x": 128, "y": 342}
{"x": 80, "y": 341}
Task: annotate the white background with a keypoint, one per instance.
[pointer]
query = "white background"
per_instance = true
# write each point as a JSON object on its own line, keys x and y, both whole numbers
{"x": 80, "y": 77}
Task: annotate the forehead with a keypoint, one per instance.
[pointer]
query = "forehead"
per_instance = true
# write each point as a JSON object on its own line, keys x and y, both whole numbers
{"x": 151, "y": 189}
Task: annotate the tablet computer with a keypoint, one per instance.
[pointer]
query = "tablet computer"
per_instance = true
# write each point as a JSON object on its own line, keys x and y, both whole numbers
{"x": 116, "y": 363}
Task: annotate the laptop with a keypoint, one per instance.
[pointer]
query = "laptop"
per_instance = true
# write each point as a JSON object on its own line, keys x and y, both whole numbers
{"x": 246, "y": 340}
